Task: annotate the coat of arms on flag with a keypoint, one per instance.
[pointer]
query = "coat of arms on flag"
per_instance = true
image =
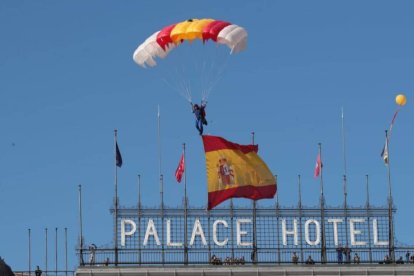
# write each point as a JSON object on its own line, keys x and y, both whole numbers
{"x": 225, "y": 172}
{"x": 235, "y": 170}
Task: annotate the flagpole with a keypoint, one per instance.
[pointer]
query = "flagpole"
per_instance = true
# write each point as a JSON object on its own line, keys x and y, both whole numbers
{"x": 345, "y": 191}
{"x": 56, "y": 251}
{"x": 66, "y": 251}
{"x": 300, "y": 215}
{"x": 139, "y": 192}
{"x": 390, "y": 200}
{"x": 368, "y": 216}
{"x": 343, "y": 140}
{"x": 344, "y": 154}
{"x": 116, "y": 200}
{"x": 232, "y": 228}
{"x": 277, "y": 219}
{"x": 300, "y": 193}
{"x": 80, "y": 229}
{"x": 388, "y": 169}
{"x": 159, "y": 157}
{"x": 322, "y": 202}
{"x": 254, "y": 222}
{"x": 346, "y": 209}
{"x": 139, "y": 218}
{"x": 345, "y": 174}
{"x": 30, "y": 251}
{"x": 390, "y": 203}
{"x": 185, "y": 179}
{"x": 277, "y": 194}
{"x": 162, "y": 219}
{"x": 367, "y": 191}
{"x": 46, "y": 251}
{"x": 185, "y": 210}
{"x": 321, "y": 178}
{"x": 161, "y": 180}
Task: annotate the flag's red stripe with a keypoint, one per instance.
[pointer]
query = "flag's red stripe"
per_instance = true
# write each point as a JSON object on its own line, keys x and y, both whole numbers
{"x": 213, "y": 143}
{"x": 251, "y": 192}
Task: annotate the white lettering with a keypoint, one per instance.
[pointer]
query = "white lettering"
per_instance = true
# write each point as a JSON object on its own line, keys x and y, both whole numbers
{"x": 293, "y": 232}
{"x": 130, "y": 232}
{"x": 221, "y": 234}
{"x": 198, "y": 230}
{"x": 169, "y": 242}
{"x": 242, "y": 233}
{"x": 375, "y": 230}
{"x": 353, "y": 232}
{"x": 317, "y": 232}
{"x": 335, "y": 228}
{"x": 151, "y": 231}
{"x": 217, "y": 242}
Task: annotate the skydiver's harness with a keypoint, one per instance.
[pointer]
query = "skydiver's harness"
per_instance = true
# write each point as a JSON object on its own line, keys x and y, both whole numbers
{"x": 200, "y": 112}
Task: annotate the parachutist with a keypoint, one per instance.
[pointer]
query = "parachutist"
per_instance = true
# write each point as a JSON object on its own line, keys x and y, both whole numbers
{"x": 200, "y": 114}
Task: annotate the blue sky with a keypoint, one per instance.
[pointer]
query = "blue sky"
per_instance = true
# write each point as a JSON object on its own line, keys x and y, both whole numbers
{"x": 67, "y": 80}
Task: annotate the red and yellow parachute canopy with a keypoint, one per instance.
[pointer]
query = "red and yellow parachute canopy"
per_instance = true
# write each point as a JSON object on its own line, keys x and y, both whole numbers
{"x": 162, "y": 42}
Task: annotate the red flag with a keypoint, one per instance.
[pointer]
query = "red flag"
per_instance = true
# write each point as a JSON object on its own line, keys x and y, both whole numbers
{"x": 318, "y": 166}
{"x": 180, "y": 169}
{"x": 393, "y": 120}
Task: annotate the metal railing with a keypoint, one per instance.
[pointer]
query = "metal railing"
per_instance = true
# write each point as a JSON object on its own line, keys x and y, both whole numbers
{"x": 106, "y": 257}
{"x": 46, "y": 273}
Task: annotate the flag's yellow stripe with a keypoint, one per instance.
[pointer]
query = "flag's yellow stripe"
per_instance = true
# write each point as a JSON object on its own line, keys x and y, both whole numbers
{"x": 242, "y": 170}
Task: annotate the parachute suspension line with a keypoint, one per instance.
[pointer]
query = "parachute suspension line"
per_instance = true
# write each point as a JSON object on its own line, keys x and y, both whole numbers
{"x": 185, "y": 84}
{"x": 201, "y": 74}
{"x": 215, "y": 73}
{"x": 210, "y": 80}
{"x": 207, "y": 75}
{"x": 204, "y": 79}
{"x": 181, "y": 83}
{"x": 177, "y": 82}
{"x": 188, "y": 92}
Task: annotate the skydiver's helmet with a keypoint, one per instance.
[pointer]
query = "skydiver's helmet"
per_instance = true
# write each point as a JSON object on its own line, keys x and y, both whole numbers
{"x": 196, "y": 106}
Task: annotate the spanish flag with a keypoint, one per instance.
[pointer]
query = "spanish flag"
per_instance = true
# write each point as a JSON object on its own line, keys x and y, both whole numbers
{"x": 235, "y": 170}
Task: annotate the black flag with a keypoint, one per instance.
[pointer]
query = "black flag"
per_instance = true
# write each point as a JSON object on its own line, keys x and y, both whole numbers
{"x": 118, "y": 156}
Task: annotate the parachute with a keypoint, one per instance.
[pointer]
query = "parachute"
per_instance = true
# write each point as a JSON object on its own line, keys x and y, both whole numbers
{"x": 207, "y": 65}
{"x": 162, "y": 42}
